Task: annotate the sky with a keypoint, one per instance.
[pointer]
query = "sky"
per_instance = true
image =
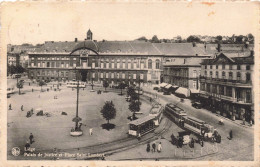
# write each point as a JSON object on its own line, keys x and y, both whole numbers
{"x": 38, "y": 22}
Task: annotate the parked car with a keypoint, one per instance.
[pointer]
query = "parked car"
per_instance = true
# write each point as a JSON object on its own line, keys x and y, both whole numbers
{"x": 196, "y": 104}
{"x": 156, "y": 88}
{"x": 167, "y": 93}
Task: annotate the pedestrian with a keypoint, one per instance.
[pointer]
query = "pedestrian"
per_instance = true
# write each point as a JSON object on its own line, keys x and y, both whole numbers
{"x": 32, "y": 90}
{"x": 22, "y": 108}
{"x": 192, "y": 143}
{"x": 31, "y": 138}
{"x": 90, "y": 131}
{"x": 10, "y": 107}
{"x": 148, "y": 147}
{"x": 153, "y": 147}
{"x": 139, "y": 136}
{"x": 251, "y": 122}
{"x": 29, "y": 84}
{"x": 230, "y": 135}
{"x": 159, "y": 147}
{"x": 27, "y": 147}
{"x": 201, "y": 143}
{"x": 180, "y": 142}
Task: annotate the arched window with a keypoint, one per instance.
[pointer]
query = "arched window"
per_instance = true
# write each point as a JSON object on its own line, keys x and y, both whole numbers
{"x": 157, "y": 64}
{"x": 150, "y": 64}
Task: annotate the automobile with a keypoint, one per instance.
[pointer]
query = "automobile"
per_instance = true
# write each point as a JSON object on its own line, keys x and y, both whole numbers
{"x": 155, "y": 88}
{"x": 167, "y": 93}
{"x": 159, "y": 90}
{"x": 197, "y": 105}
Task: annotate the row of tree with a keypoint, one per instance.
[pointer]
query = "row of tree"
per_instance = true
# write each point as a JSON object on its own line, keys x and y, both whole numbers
{"x": 11, "y": 69}
{"x": 234, "y": 39}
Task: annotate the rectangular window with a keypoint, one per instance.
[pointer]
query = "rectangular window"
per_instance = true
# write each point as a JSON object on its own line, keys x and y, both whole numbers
{"x": 101, "y": 75}
{"x": 113, "y": 65}
{"x": 238, "y": 67}
{"x": 223, "y": 66}
{"x": 123, "y": 65}
{"x": 134, "y": 76}
{"x": 112, "y": 75}
{"x": 107, "y": 75}
{"x": 211, "y": 73}
{"x": 194, "y": 84}
{"x": 216, "y": 74}
{"x": 123, "y": 75}
{"x": 74, "y": 65}
{"x": 93, "y": 75}
{"x": 216, "y": 66}
{"x": 134, "y": 65}
{"x": 210, "y": 66}
{"x": 141, "y": 76}
{"x": 248, "y": 77}
{"x": 205, "y": 66}
{"x": 248, "y": 67}
{"x": 93, "y": 65}
{"x": 194, "y": 74}
{"x": 230, "y": 67}
{"x": 238, "y": 76}
{"x": 118, "y": 65}
{"x": 102, "y": 65}
{"x": 221, "y": 90}
{"x": 229, "y": 91}
{"x": 230, "y": 75}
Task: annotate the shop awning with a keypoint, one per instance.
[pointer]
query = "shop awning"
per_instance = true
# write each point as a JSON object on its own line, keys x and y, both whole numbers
{"x": 168, "y": 86}
{"x": 183, "y": 91}
{"x": 163, "y": 84}
{"x": 194, "y": 91}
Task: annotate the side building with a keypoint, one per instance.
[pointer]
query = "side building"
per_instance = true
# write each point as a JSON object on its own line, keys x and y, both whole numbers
{"x": 183, "y": 73}
{"x": 226, "y": 85}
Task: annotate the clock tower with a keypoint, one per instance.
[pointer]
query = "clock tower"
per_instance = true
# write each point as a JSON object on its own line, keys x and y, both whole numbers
{"x": 89, "y": 35}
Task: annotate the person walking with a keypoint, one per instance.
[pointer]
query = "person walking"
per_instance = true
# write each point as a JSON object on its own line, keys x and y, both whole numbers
{"x": 192, "y": 143}
{"x": 148, "y": 147}
{"x": 10, "y": 107}
{"x": 230, "y": 135}
{"x": 159, "y": 147}
{"x": 26, "y": 147}
{"x": 201, "y": 142}
{"x": 22, "y": 108}
{"x": 90, "y": 131}
{"x": 153, "y": 147}
{"x": 31, "y": 138}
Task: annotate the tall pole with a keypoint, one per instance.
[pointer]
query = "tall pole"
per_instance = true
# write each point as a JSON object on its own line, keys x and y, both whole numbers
{"x": 77, "y": 106}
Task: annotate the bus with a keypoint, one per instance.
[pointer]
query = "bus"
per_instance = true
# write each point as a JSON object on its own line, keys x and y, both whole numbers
{"x": 141, "y": 126}
{"x": 73, "y": 84}
{"x": 175, "y": 113}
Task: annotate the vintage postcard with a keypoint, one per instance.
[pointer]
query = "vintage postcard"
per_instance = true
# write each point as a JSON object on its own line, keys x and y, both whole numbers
{"x": 129, "y": 83}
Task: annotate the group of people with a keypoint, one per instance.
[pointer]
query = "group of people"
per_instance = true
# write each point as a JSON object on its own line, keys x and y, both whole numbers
{"x": 28, "y": 144}
{"x": 179, "y": 141}
{"x": 154, "y": 148}
{"x": 79, "y": 129}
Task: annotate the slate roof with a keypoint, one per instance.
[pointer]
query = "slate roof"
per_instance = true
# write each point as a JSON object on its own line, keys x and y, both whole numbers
{"x": 188, "y": 62}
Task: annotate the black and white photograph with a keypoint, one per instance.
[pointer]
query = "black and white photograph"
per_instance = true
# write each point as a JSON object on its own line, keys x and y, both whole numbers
{"x": 130, "y": 81}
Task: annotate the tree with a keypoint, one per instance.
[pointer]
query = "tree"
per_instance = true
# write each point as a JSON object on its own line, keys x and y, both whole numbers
{"x": 108, "y": 111}
{"x": 121, "y": 86}
{"x": 143, "y": 38}
{"x": 41, "y": 83}
{"x": 134, "y": 107}
{"x": 155, "y": 39}
{"x": 105, "y": 84}
{"x": 192, "y": 38}
{"x": 19, "y": 86}
{"x": 219, "y": 38}
{"x": 19, "y": 69}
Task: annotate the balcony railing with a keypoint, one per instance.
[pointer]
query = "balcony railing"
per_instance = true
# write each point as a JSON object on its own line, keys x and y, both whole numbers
{"x": 232, "y": 81}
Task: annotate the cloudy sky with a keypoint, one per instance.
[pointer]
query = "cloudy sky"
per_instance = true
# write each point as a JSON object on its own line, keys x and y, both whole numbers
{"x": 39, "y": 22}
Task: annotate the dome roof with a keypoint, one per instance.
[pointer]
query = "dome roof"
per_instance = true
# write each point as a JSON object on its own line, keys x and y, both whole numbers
{"x": 87, "y": 44}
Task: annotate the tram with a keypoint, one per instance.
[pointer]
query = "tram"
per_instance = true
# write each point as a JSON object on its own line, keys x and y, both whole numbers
{"x": 198, "y": 126}
{"x": 195, "y": 125}
{"x": 141, "y": 126}
{"x": 73, "y": 84}
{"x": 156, "y": 111}
{"x": 175, "y": 113}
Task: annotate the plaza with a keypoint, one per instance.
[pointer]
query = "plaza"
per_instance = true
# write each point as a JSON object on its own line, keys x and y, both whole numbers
{"x": 55, "y": 128}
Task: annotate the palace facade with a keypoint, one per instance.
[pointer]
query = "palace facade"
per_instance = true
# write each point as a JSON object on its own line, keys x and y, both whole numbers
{"x": 113, "y": 61}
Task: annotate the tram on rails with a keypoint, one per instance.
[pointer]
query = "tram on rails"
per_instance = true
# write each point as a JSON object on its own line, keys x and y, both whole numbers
{"x": 73, "y": 84}
{"x": 141, "y": 126}
{"x": 175, "y": 113}
{"x": 195, "y": 125}
{"x": 156, "y": 111}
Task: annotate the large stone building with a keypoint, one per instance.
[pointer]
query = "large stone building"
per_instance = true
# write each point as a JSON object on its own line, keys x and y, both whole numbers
{"x": 114, "y": 61}
{"x": 226, "y": 85}
{"x": 183, "y": 73}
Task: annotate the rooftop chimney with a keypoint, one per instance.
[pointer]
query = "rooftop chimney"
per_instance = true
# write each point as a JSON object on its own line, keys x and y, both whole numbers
{"x": 76, "y": 39}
